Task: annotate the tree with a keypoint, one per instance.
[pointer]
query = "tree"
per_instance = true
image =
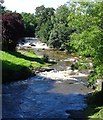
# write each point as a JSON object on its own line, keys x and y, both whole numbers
{"x": 87, "y": 19}
{"x": 12, "y": 30}
{"x": 45, "y": 31}
{"x": 58, "y": 37}
{"x": 44, "y": 22}
{"x": 60, "y": 32}
{"x": 29, "y": 24}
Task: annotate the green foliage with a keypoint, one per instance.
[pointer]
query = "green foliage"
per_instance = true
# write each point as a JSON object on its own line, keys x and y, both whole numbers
{"x": 29, "y": 24}
{"x": 87, "y": 40}
{"x": 60, "y": 32}
{"x": 2, "y": 9}
{"x": 81, "y": 64}
{"x": 44, "y": 22}
{"x": 59, "y": 35}
{"x": 61, "y": 15}
{"x": 94, "y": 112}
{"x": 45, "y": 31}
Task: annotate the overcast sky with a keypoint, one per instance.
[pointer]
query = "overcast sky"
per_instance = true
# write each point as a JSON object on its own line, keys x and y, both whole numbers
{"x": 30, "y": 5}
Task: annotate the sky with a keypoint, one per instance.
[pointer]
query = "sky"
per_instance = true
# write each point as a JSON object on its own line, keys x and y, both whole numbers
{"x": 30, "y": 5}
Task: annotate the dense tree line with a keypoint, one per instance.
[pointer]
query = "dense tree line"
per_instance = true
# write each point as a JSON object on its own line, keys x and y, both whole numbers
{"x": 49, "y": 25}
{"x": 60, "y": 33}
{"x": 29, "y": 24}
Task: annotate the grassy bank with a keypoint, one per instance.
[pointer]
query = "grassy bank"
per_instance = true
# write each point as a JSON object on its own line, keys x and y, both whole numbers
{"x": 18, "y": 65}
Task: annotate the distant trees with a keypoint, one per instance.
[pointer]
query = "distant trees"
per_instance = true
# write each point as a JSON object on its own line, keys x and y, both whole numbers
{"x": 60, "y": 33}
{"x": 12, "y": 30}
{"x": 29, "y": 24}
{"x": 52, "y": 26}
{"x": 3, "y": 8}
{"x": 44, "y": 22}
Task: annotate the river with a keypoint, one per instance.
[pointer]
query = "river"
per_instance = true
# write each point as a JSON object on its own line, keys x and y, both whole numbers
{"x": 59, "y": 93}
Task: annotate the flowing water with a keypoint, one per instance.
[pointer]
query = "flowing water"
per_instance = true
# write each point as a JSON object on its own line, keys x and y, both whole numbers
{"x": 59, "y": 93}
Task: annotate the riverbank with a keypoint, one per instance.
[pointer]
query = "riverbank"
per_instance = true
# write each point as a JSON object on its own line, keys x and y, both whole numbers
{"x": 19, "y": 65}
{"x": 95, "y": 106}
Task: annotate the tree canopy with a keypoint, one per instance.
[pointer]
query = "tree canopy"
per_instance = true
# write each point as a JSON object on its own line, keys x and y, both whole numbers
{"x": 29, "y": 24}
{"x": 44, "y": 22}
{"x": 87, "y": 19}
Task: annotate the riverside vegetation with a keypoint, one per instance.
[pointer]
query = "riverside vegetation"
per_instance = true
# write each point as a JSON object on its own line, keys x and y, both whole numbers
{"x": 76, "y": 27}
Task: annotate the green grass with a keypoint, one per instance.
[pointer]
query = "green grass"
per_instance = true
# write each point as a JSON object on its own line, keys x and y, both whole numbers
{"x": 94, "y": 112}
{"x": 24, "y": 59}
{"x": 97, "y": 113}
{"x": 18, "y": 65}
{"x": 95, "y": 106}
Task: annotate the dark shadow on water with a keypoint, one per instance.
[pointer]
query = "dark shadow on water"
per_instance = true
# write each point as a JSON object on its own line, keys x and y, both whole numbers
{"x": 19, "y": 55}
{"x": 34, "y": 98}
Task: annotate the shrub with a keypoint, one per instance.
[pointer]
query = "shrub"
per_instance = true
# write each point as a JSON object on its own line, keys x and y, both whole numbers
{"x": 12, "y": 30}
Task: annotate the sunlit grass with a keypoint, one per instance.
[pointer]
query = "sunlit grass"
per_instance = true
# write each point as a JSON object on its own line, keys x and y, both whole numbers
{"x": 19, "y": 65}
{"x": 13, "y": 59}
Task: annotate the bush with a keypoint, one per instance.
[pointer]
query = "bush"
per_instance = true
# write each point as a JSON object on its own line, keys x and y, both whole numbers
{"x": 12, "y": 30}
